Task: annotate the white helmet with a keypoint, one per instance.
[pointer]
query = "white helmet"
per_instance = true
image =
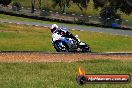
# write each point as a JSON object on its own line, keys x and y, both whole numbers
{"x": 54, "y": 26}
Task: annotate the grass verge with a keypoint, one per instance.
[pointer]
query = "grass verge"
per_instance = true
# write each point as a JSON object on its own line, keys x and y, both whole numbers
{"x": 60, "y": 75}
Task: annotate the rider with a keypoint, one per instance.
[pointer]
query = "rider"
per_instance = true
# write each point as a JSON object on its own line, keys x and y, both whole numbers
{"x": 56, "y": 30}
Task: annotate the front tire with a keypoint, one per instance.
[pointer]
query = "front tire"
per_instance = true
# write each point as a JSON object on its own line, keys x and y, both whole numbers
{"x": 60, "y": 46}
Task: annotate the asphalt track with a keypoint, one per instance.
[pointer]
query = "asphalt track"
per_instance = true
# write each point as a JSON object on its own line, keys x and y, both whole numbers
{"x": 76, "y": 27}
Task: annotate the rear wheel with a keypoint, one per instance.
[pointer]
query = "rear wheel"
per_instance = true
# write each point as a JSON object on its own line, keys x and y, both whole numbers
{"x": 85, "y": 48}
{"x": 60, "y": 46}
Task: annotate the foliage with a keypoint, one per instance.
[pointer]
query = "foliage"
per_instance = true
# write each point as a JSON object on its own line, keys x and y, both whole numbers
{"x": 16, "y": 6}
{"x": 5, "y": 2}
{"x": 99, "y": 3}
{"x": 40, "y": 4}
{"x": 62, "y": 4}
{"x": 33, "y": 5}
{"x": 123, "y": 5}
{"x": 82, "y": 4}
{"x": 126, "y": 6}
{"x": 109, "y": 16}
{"x": 111, "y": 7}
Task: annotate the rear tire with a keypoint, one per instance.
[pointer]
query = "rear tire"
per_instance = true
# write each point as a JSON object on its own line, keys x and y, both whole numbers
{"x": 86, "y": 48}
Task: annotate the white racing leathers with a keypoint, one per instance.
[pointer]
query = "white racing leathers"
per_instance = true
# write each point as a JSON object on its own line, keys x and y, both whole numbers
{"x": 56, "y": 35}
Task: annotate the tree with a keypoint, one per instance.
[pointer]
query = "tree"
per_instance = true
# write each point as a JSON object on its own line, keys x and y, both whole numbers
{"x": 16, "y": 6}
{"x": 33, "y": 6}
{"x": 82, "y": 4}
{"x": 110, "y": 9}
{"x": 40, "y": 4}
{"x": 125, "y": 6}
{"x": 122, "y": 5}
{"x": 109, "y": 16}
{"x": 0, "y": 1}
{"x": 62, "y": 4}
{"x": 100, "y": 3}
{"x": 5, "y": 2}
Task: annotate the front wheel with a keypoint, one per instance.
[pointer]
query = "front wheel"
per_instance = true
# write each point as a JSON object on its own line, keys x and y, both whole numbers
{"x": 60, "y": 46}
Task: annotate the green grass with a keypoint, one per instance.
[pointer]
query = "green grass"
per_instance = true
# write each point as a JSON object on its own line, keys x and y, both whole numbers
{"x": 25, "y": 38}
{"x": 103, "y": 42}
{"x": 29, "y": 38}
{"x": 60, "y": 75}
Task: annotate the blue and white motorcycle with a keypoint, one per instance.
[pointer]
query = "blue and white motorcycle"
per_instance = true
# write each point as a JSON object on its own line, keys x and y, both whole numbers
{"x": 64, "y": 44}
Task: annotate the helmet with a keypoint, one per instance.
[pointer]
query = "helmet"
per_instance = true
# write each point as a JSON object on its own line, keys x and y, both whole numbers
{"x": 53, "y": 27}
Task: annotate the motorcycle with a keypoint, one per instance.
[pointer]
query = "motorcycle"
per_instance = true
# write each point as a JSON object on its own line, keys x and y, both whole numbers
{"x": 64, "y": 44}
